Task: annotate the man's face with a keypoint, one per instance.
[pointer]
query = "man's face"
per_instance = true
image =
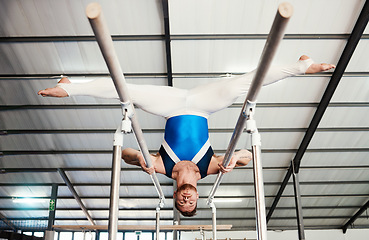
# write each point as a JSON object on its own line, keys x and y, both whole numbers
{"x": 186, "y": 198}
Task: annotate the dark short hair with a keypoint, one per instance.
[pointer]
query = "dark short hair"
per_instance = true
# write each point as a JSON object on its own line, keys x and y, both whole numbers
{"x": 186, "y": 213}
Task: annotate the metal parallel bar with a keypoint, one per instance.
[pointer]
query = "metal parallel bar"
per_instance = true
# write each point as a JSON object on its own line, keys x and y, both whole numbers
{"x": 103, "y": 37}
{"x": 298, "y": 205}
{"x": 275, "y": 36}
{"x": 54, "y": 196}
{"x": 75, "y": 195}
{"x": 347, "y": 53}
{"x": 167, "y": 42}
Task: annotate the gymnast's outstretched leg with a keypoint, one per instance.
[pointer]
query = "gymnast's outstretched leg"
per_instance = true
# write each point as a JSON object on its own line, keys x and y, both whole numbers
{"x": 213, "y": 97}
{"x": 159, "y": 100}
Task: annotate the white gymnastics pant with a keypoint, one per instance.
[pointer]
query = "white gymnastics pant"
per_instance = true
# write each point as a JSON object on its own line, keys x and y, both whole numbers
{"x": 202, "y": 100}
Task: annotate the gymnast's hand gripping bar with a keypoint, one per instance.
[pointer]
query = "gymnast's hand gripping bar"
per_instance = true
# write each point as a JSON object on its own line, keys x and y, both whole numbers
{"x": 103, "y": 37}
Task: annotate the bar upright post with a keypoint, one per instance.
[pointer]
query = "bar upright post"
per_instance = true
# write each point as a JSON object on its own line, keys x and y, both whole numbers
{"x": 115, "y": 184}
{"x": 157, "y": 226}
{"x": 214, "y": 219}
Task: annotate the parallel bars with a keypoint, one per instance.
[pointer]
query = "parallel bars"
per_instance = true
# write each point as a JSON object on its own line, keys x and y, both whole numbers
{"x": 103, "y": 37}
{"x": 276, "y": 34}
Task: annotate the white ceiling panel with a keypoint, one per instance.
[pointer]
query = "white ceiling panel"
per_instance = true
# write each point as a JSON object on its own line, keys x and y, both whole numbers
{"x": 339, "y": 158}
{"x": 336, "y": 175}
{"x": 30, "y": 177}
{"x": 324, "y": 201}
{"x": 82, "y": 57}
{"x": 237, "y": 16}
{"x": 66, "y": 17}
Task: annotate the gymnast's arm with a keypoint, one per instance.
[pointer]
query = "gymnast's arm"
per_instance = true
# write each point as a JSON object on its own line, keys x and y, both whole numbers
{"x": 239, "y": 159}
{"x": 134, "y": 157}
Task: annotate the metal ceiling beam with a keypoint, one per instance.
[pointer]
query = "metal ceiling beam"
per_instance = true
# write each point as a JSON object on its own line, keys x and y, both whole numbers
{"x": 159, "y": 37}
{"x": 134, "y": 198}
{"x": 356, "y": 216}
{"x": 47, "y": 76}
{"x": 217, "y": 151}
{"x": 333, "y": 83}
{"x": 7, "y": 222}
{"x": 161, "y": 130}
{"x": 229, "y": 184}
{"x": 134, "y": 169}
{"x": 117, "y": 106}
{"x": 170, "y": 209}
{"x": 75, "y": 195}
{"x": 231, "y": 218}
{"x": 167, "y": 41}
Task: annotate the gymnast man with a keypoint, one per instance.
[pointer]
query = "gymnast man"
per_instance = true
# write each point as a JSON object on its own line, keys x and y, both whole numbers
{"x": 185, "y": 154}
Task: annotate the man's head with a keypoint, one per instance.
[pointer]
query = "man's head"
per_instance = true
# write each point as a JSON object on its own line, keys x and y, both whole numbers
{"x": 186, "y": 199}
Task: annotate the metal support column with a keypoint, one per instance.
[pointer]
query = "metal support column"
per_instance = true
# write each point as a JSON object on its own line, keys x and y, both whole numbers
{"x": 167, "y": 41}
{"x": 214, "y": 219}
{"x": 75, "y": 195}
{"x": 300, "y": 219}
{"x": 52, "y": 206}
{"x": 115, "y": 184}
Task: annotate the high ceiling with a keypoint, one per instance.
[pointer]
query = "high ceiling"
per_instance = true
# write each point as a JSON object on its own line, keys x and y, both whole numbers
{"x": 44, "y": 137}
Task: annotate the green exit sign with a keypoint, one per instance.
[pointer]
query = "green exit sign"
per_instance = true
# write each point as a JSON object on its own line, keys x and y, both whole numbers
{"x": 52, "y": 205}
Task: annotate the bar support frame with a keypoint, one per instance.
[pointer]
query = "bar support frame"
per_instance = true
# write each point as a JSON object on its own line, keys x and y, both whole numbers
{"x": 276, "y": 34}
{"x": 105, "y": 42}
{"x": 129, "y": 122}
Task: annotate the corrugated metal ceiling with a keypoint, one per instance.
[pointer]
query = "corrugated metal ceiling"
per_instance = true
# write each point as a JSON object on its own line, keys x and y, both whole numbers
{"x": 39, "y": 40}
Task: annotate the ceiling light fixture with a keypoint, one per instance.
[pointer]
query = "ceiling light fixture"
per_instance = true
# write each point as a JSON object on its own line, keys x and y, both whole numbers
{"x": 29, "y": 200}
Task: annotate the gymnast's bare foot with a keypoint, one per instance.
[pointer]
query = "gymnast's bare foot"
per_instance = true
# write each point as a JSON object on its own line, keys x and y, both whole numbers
{"x": 317, "y": 67}
{"x": 55, "y": 91}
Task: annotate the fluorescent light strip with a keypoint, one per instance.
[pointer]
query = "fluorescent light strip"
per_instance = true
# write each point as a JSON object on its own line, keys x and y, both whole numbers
{"x": 29, "y": 200}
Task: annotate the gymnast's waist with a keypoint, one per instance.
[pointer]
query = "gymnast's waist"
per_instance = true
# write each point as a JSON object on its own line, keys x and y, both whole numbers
{"x": 185, "y": 128}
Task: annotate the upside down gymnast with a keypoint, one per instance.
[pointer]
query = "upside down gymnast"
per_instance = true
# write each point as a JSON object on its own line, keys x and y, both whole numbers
{"x": 185, "y": 154}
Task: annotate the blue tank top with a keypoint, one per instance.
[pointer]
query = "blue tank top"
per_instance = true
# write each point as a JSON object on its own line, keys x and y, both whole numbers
{"x": 186, "y": 137}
